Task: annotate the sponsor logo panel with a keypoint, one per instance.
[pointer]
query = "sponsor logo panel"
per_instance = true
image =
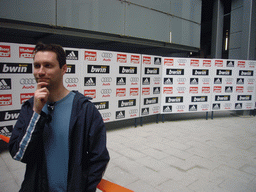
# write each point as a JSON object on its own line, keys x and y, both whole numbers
{"x": 135, "y": 59}
{"x": 145, "y": 111}
{"x": 146, "y": 60}
{"x": 174, "y": 99}
{"x": 167, "y": 109}
{"x": 156, "y": 90}
{"x": 245, "y": 73}
{"x": 90, "y": 81}
{"x": 107, "y": 56}
{"x": 219, "y": 63}
{"x": 244, "y": 98}
{"x": 207, "y": 63}
{"x": 168, "y": 62}
{"x": 121, "y": 92}
{"x": 25, "y": 96}
{"x": 106, "y": 92}
{"x": 5, "y": 84}
{"x": 150, "y": 101}
{"x": 26, "y": 52}
{"x": 127, "y": 70}
{"x": 6, "y": 130}
{"x": 120, "y": 114}
{"x": 122, "y": 58}
{"x": 168, "y": 81}
{"x": 192, "y": 107}
{"x": 168, "y": 90}
{"x": 121, "y": 81}
{"x": 5, "y": 99}
{"x": 9, "y": 115}
{"x": 71, "y": 55}
{"x": 200, "y": 72}
{"x": 157, "y": 60}
{"x": 174, "y": 71}
{"x": 230, "y": 64}
{"x": 151, "y": 71}
{"x": 5, "y": 51}
{"x": 90, "y": 93}
{"x": 71, "y": 69}
{"x": 90, "y": 55}
{"x": 134, "y": 91}
{"x": 222, "y": 97}
{"x": 194, "y": 62}
{"x": 199, "y": 99}
{"x": 98, "y": 69}
{"x": 126, "y": 103}
{"x": 102, "y": 105}
{"x": 226, "y": 72}
{"x": 15, "y": 68}
{"x": 71, "y": 82}
{"x": 146, "y": 81}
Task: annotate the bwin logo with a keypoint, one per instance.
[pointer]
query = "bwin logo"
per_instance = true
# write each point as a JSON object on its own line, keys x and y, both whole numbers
{"x": 9, "y": 115}
{"x": 15, "y": 68}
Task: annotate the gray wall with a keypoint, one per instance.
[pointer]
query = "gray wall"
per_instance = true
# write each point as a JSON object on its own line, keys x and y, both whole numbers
{"x": 243, "y": 30}
{"x": 149, "y": 19}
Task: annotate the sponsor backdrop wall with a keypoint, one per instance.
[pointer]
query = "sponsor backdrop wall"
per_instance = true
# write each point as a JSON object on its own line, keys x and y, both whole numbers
{"x": 150, "y": 85}
{"x": 126, "y": 85}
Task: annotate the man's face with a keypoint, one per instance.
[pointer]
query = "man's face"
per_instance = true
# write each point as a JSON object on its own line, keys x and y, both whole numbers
{"x": 47, "y": 69}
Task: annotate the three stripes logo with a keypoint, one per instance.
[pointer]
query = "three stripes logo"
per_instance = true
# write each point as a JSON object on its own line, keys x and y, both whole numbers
{"x": 6, "y": 130}
{"x": 5, "y": 84}
{"x": 71, "y": 55}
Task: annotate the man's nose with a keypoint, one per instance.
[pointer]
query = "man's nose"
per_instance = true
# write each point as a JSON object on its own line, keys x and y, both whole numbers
{"x": 41, "y": 70}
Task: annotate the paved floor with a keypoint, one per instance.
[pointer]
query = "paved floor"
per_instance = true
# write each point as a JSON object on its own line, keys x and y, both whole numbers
{"x": 182, "y": 154}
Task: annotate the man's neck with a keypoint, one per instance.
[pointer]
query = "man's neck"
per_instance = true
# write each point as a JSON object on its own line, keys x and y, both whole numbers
{"x": 58, "y": 94}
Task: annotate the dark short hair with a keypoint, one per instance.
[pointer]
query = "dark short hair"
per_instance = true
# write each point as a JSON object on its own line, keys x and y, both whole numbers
{"x": 61, "y": 55}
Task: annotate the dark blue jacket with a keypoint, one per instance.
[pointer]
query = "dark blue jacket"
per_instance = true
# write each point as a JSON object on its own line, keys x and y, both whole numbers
{"x": 88, "y": 155}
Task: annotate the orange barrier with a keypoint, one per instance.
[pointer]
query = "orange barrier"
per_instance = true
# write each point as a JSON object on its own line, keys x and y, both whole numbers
{"x": 4, "y": 138}
{"x": 107, "y": 186}
{"x": 104, "y": 185}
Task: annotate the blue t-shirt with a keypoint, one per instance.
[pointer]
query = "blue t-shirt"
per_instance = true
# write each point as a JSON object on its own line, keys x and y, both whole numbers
{"x": 56, "y": 143}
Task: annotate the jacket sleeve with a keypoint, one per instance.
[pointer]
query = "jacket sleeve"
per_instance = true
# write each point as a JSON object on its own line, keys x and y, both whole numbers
{"x": 27, "y": 135}
{"x": 97, "y": 151}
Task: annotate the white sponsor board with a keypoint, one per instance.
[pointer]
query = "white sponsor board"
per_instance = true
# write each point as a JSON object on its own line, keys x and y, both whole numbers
{"x": 150, "y": 100}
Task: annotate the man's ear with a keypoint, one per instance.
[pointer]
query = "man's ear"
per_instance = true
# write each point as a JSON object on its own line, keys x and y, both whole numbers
{"x": 64, "y": 69}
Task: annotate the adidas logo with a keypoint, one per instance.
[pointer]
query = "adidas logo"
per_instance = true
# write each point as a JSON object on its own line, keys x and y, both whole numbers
{"x": 193, "y": 108}
{"x": 145, "y": 111}
{"x": 120, "y": 115}
{"x": 5, "y": 132}
{"x": 194, "y": 81}
{"x": 167, "y": 109}
{"x": 168, "y": 81}
{"x": 4, "y": 85}
{"x": 216, "y": 106}
{"x": 218, "y": 81}
{"x": 157, "y": 61}
{"x": 72, "y": 55}
{"x": 90, "y": 82}
{"x": 146, "y": 81}
{"x": 230, "y": 64}
{"x": 239, "y": 106}
{"x": 121, "y": 81}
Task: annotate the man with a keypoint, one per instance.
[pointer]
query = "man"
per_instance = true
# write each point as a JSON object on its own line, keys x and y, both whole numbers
{"x": 59, "y": 134}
